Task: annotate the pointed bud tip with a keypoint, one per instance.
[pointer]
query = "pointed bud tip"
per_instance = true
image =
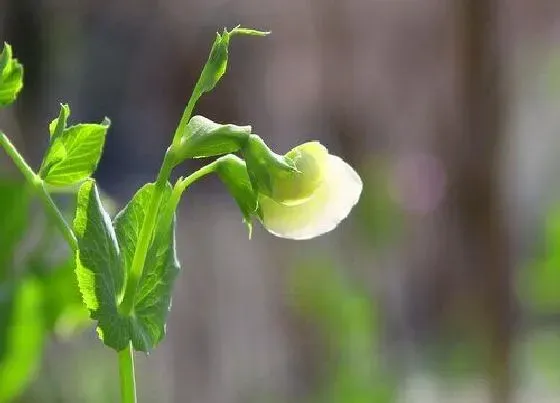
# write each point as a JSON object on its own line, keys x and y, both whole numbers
{"x": 246, "y": 31}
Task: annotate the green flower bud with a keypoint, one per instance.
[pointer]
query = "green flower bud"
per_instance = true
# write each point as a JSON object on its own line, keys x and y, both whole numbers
{"x": 216, "y": 65}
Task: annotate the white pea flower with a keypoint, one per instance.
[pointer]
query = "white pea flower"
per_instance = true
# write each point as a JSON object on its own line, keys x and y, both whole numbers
{"x": 313, "y": 200}
{"x": 300, "y": 195}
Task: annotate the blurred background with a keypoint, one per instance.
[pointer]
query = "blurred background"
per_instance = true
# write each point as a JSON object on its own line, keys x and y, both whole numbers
{"x": 442, "y": 286}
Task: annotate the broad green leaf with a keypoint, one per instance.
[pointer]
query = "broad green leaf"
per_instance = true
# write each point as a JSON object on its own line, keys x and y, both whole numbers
{"x": 99, "y": 268}
{"x": 233, "y": 173}
{"x": 74, "y": 151}
{"x": 11, "y": 76}
{"x": 25, "y": 340}
{"x": 105, "y": 257}
{"x": 205, "y": 138}
{"x": 153, "y": 297}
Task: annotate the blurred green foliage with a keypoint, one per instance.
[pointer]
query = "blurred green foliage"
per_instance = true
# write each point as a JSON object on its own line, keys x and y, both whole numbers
{"x": 348, "y": 319}
{"x": 539, "y": 283}
{"x": 539, "y": 291}
{"x": 38, "y": 295}
{"x": 380, "y": 217}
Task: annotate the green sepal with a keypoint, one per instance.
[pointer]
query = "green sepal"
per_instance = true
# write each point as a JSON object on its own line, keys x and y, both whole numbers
{"x": 233, "y": 173}
{"x": 73, "y": 152}
{"x": 264, "y": 165}
{"x": 205, "y": 138}
{"x": 11, "y": 76}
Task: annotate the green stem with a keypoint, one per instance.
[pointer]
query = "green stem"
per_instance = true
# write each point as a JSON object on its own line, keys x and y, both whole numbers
{"x": 185, "y": 117}
{"x": 145, "y": 236}
{"x": 148, "y": 225}
{"x": 183, "y": 184}
{"x": 39, "y": 186}
{"x": 126, "y": 374}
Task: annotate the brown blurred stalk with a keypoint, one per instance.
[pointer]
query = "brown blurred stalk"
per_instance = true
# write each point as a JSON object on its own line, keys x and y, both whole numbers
{"x": 477, "y": 196}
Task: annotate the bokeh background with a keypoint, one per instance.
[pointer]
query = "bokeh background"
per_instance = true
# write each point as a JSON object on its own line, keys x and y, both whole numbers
{"x": 444, "y": 283}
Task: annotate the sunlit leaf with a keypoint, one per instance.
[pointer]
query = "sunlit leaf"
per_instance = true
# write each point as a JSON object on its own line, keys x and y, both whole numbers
{"x": 74, "y": 151}
{"x": 103, "y": 263}
{"x": 98, "y": 267}
{"x": 11, "y": 76}
{"x": 153, "y": 297}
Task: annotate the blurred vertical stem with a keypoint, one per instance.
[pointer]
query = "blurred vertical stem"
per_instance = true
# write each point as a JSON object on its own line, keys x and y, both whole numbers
{"x": 39, "y": 187}
{"x": 483, "y": 103}
{"x": 126, "y": 375}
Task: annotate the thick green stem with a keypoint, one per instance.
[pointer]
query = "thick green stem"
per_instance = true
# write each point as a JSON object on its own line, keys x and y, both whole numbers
{"x": 39, "y": 186}
{"x": 126, "y": 374}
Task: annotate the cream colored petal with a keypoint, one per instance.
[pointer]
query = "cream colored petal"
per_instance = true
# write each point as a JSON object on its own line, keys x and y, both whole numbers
{"x": 330, "y": 204}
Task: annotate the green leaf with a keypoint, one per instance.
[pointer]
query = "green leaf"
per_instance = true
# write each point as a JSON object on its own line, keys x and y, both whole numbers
{"x": 11, "y": 76}
{"x": 98, "y": 267}
{"x": 233, "y": 172}
{"x": 57, "y": 126}
{"x": 24, "y": 341}
{"x": 74, "y": 152}
{"x": 205, "y": 138}
{"x": 153, "y": 298}
{"x": 104, "y": 258}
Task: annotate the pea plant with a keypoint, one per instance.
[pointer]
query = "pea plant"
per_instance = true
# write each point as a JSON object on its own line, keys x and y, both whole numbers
{"x": 126, "y": 266}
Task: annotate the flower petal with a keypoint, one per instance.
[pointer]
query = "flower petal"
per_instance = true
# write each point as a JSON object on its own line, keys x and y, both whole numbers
{"x": 321, "y": 213}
